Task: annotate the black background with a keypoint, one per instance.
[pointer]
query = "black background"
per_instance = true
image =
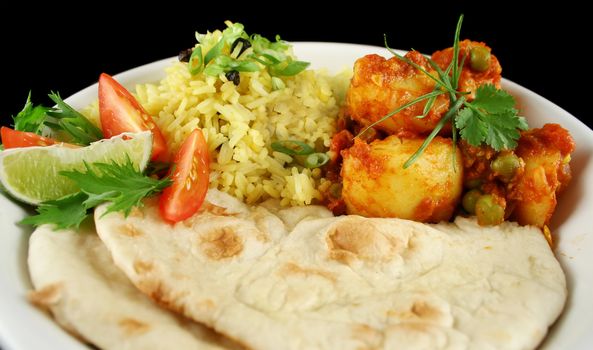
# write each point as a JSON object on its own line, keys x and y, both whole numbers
{"x": 53, "y": 47}
{"x": 540, "y": 47}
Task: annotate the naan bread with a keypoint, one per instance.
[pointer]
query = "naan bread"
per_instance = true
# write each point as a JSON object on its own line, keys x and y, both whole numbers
{"x": 219, "y": 244}
{"x": 76, "y": 280}
{"x": 346, "y": 282}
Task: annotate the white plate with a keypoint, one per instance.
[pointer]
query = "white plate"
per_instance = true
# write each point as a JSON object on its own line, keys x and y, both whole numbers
{"x": 24, "y": 327}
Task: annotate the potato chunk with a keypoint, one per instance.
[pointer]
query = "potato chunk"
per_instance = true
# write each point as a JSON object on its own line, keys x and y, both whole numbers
{"x": 379, "y": 86}
{"x": 546, "y": 153}
{"x": 375, "y": 184}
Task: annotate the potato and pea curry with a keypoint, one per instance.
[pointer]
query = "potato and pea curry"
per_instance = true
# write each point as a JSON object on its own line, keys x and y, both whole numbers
{"x": 426, "y": 138}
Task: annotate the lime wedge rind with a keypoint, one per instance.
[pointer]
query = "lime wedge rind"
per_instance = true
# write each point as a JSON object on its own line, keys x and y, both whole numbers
{"x": 31, "y": 174}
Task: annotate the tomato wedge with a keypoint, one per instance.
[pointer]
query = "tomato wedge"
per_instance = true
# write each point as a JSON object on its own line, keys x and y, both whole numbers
{"x": 13, "y": 138}
{"x": 120, "y": 112}
{"x": 191, "y": 168}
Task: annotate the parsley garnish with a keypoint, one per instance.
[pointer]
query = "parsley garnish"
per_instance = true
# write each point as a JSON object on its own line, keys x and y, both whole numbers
{"x": 490, "y": 119}
{"x": 120, "y": 184}
{"x": 66, "y": 118}
{"x": 60, "y": 120}
{"x": 68, "y": 211}
{"x": 31, "y": 118}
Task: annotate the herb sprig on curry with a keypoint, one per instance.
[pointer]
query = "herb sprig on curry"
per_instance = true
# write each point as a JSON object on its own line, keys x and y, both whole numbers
{"x": 437, "y": 136}
{"x": 490, "y": 118}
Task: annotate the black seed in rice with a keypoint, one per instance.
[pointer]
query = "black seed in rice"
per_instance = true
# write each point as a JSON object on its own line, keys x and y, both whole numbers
{"x": 234, "y": 77}
{"x": 184, "y": 55}
{"x": 246, "y": 45}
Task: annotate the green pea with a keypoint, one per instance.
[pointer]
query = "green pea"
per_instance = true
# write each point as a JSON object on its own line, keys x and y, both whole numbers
{"x": 335, "y": 190}
{"x": 488, "y": 211}
{"x": 506, "y": 166}
{"x": 469, "y": 200}
{"x": 479, "y": 58}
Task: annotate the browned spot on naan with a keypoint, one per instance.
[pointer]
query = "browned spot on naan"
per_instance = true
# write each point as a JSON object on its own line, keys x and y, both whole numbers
{"x": 206, "y": 212}
{"x": 262, "y": 237}
{"x": 132, "y": 326}
{"x": 130, "y": 230}
{"x": 45, "y": 296}
{"x": 162, "y": 295}
{"x": 294, "y": 269}
{"x": 221, "y": 243}
{"x": 262, "y": 233}
{"x": 426, "y": 311}
{"x": 142, "y": 267}
{"x": 412, "y": 327}
{"x": 206, "y": 304}
{"x": 419, "y": 311}
{"x": 216, "y": 210}
{"x": 359, "y": 239}
{"x": 180, "y": 276}
{"x": 372, "y": 337}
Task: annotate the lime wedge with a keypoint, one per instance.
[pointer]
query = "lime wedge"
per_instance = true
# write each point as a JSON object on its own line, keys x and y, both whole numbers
{"x": 31, "y": 174}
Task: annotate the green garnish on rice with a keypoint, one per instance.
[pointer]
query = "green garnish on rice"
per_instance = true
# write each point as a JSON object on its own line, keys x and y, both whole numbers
{"x": 234, "y": 51}
{"x": 243, "y": 114}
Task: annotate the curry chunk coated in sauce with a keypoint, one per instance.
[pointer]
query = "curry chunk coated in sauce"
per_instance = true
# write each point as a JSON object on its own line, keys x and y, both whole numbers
{"x": 375, "y": 183}
{"x": 471, "y": 78}
{"x": 381, "y": 85}
{"x": 546, "y": 153}
{"x": 519, "y": 184}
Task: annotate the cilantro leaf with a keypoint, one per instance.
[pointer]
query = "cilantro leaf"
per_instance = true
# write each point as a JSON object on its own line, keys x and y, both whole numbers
{"x": 503, "y": 130}
{"x": 121, "y": 184}
{"x": 497, "y": 130}
{"x": 493, "y": 100}
{"x": 491, "y": 118}
{"x": 81, "y": 130}
{"x": 63, "y": 213}
{"x": 470, "y": 127}
{"x": 31, "y": 118}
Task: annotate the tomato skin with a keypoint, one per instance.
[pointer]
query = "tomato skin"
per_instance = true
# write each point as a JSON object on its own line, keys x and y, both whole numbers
{"x": 120, "y": 112}
{"x": 13, "y": 138}
{"x": 191, "y": 169}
